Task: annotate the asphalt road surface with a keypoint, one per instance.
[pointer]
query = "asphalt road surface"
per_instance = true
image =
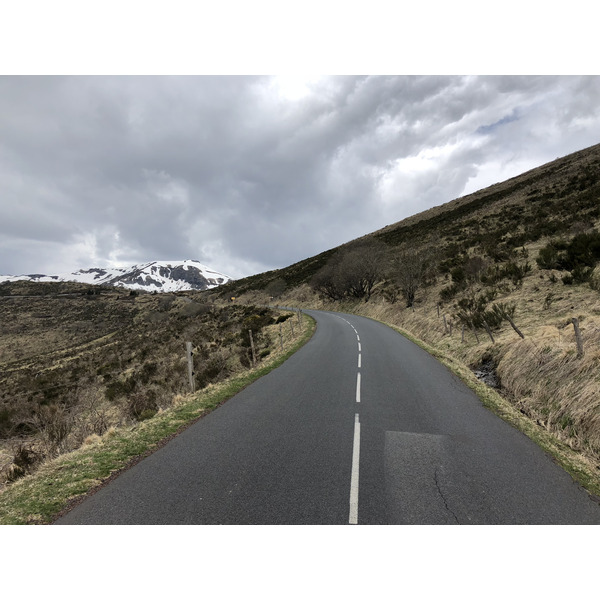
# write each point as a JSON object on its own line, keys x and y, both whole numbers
{"x": 360, "y": 426}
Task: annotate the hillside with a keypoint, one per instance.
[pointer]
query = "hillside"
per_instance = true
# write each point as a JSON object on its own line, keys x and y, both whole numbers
{"x": 548, "y": 201}
{"x": 78, "y": 360}
{"x": 492, "y": 281}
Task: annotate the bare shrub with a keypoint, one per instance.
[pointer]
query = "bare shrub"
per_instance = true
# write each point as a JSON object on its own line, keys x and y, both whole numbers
{"x": 141, "y": 404}
{"x": 194, "y": 309}
{"x": 276, "y": 288}
{"x": 391, "y": 292}
{"x": 327, "y": 281}
{"x": 92, "y": 415}
{"x": 351, "y": 272}
{"x": 214, "y": 369}
{"x": 25, "y": 460}
{"x": 474, "y": 268}
{"x": 361, "y": 268}
{"x": 55, "y": 423}
{"x": 506, "y": 310}
{"x": 411, "y": 269}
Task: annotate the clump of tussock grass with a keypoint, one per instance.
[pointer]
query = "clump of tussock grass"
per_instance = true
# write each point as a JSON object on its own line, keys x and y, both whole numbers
{"x": 555, "y": 387}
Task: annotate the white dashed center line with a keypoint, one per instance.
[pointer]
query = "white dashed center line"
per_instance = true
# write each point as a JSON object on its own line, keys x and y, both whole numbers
{"x": 353, "y": 517}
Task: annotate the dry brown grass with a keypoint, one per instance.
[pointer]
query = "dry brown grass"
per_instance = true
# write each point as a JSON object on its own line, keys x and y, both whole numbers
{"x": 545, "y": 378}
{"x": 540, "y": 375}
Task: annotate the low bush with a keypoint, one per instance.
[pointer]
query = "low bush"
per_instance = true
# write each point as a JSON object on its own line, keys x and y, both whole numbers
{"x": 141, "y": 403}
{"x": 448, "y": 293}
{"x": 583, "y": 250}
{"x": 24, "y": 461}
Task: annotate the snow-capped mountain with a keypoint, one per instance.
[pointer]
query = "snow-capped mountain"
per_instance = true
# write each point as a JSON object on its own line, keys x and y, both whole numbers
{"x": 159, "y": 276}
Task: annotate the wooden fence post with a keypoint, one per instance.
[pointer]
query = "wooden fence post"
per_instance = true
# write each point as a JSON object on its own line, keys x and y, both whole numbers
{"x": 280, "y": 337}
{"x": 190, "y": 361}
{"x": 252, "y": 346}
{"x": 578, "y": 339}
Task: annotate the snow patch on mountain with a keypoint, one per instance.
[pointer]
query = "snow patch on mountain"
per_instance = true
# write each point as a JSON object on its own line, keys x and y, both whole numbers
{"x": 155, "y": 276}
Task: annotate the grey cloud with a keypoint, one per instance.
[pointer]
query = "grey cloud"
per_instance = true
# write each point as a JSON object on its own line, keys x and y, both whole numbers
{"x": 225, "y": 170}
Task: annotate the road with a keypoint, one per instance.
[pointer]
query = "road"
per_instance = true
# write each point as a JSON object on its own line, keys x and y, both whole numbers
{"x": 360, "y": 426}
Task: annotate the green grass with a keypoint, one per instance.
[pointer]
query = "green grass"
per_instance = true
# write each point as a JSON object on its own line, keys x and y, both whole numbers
{"x": 40, "y": 497}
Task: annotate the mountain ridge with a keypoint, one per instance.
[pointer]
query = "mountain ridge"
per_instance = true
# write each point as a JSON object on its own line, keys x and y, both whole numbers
{"x": 153, "y": 276}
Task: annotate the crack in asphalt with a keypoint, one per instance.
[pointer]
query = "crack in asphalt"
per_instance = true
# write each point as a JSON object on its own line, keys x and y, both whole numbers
{"x": 439, "y": 489}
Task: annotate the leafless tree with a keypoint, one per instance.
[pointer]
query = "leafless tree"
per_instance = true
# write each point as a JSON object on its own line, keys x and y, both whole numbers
{"x": 361, "y": 268}
{"x": 352, "y": 272}
{"x": 411, "y": 269}
{"x": 327, "y": 281}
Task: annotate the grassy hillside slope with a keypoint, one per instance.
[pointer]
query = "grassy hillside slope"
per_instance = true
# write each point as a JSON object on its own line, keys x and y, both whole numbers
{"x": 552, "y": 200}
{"x": 505, "y": 271}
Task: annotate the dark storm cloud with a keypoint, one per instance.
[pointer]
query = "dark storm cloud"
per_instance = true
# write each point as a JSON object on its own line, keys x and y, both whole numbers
{"x": 253, "y": 173}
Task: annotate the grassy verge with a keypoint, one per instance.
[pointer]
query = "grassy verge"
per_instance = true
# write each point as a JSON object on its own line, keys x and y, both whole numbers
{"x": 580, "y": 469}
{"x": 40, "y": 497}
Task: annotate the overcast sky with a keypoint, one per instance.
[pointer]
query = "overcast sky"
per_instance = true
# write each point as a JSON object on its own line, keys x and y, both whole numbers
{"x": 247, "y": 174}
